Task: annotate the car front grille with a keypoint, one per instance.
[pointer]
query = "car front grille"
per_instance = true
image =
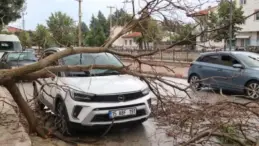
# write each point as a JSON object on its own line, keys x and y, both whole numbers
{"x": 118, "y": 97}
{"x": 105, "y": 117}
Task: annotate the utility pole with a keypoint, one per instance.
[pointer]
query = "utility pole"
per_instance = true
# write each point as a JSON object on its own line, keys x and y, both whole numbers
{"x": 79, "y": 22}
{"x": 110, "y": 7}
{"x": 23, "y": 14}
{"x": 230, "y": 25}
{"x": 23, "y": 21}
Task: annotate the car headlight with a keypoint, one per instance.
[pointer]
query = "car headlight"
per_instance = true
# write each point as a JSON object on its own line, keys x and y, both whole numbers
{"x": 145, "y": 91}
{"x": 81, "y": 96}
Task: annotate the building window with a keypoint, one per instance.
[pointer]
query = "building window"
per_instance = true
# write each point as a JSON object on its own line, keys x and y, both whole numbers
{"x": 130, "y": 42}
{"x": 257, "y": 15}
{"x": 257, "y": 36}
{"x": 126, "y": 42}
{"x": 242, "y": 2}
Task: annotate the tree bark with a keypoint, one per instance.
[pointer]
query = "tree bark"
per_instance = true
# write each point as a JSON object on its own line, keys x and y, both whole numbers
{"x": 23, "y": 106}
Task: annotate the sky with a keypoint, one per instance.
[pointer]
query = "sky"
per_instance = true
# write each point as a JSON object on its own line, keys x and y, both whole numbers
{"x": 38, "y": 11}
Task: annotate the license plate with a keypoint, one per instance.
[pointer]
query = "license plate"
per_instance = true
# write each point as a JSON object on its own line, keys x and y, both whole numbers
{"x": 122, "y": 112}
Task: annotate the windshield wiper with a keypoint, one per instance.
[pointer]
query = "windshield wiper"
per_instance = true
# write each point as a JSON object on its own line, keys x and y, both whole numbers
{"x": 107, "y": 72}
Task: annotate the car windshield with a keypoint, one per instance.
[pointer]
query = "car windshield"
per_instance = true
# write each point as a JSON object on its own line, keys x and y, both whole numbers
{"x": 250, "y": 59}
{"x": 92, "y": 58}
{"x": 21, "y": 56}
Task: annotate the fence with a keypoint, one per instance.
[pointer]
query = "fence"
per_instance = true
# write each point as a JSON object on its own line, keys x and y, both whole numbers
{"x": 170, "y": 55}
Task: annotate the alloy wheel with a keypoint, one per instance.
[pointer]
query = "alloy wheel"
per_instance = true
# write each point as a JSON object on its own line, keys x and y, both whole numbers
{"x": 195, "y": 82}
{"x": 253, "y": 90}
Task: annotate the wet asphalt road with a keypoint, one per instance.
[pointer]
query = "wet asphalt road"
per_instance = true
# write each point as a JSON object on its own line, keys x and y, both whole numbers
{"x": 149, "y": 134}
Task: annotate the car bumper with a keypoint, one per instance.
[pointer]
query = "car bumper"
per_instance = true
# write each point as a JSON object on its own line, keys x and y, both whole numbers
{"x": 94, "y": 114}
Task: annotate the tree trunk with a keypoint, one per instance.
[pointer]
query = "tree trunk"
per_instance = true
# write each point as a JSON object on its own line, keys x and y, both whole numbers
{"x": 24, "y": 107}
{"x": 225, "y": 45}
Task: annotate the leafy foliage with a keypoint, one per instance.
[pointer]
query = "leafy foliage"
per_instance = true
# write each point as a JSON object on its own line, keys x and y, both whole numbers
{"x": 99, "y": 31}
{"x": 84, "y": 29}
{"x": 120, "y": 17}
{"x": 62, "y": 28}
{"x": 10, "y": 11}
{"x": 221, "y": 20}
{"x": 25, "y": 39}
{"x": 103, "y": 23}
{"x": 42, "y": 36}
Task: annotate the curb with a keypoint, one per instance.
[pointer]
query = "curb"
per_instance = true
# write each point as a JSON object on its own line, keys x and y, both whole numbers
{"x": 181, "y": 76}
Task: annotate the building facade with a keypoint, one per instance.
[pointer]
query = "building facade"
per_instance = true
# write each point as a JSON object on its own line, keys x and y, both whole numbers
{"x": 249, "y": 35}
{"x": 202, "y": 40}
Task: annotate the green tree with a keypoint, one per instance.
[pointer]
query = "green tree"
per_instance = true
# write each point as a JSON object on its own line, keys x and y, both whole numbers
{"x": 62, "y": 28}
{"x": 96, "y": 36}
{"x": 42, "y": 36}
{"x": 10, "y": 10}
{"x": 104, "y": 23}
{"x": 84, "y": 29}
{"x": 25, "y": 39}
{"x": 120, "y": 17}
{"x": 221, "y": 20}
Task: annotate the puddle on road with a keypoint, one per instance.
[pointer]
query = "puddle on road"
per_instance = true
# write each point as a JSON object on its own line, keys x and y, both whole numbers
{"x": 143, "y": 135}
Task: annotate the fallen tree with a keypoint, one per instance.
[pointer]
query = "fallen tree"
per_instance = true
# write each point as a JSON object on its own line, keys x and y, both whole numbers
{"x": 184, "y": 114}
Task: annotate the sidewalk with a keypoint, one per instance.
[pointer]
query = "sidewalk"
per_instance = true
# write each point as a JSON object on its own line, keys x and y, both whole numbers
{"x": 179, "y": 72}
{"x": 12, "y": 132}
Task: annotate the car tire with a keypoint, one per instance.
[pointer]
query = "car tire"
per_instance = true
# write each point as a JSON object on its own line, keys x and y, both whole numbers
{"x": 252, "y": 90}
{"x": 195, "y": 82}
{"x": 62, "y": 120}
{"x": 38, "y": 103}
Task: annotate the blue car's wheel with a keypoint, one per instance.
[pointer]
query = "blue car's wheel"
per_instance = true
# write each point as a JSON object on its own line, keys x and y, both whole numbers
{"x": 195, "y": 82}
{"x": 252, "y": 90}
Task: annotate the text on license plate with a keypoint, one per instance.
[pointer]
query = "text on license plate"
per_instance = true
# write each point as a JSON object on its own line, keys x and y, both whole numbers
{"x": 122, "y": 112}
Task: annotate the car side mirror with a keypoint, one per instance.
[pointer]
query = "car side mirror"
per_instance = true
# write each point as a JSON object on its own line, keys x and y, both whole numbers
{"x": 238, "y": 66}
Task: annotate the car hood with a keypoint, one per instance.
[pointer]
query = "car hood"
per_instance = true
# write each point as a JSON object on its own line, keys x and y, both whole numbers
{"x": 105, "y": 84}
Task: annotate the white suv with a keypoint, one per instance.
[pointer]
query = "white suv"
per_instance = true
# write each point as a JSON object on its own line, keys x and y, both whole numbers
{"x": 97, "y": 97}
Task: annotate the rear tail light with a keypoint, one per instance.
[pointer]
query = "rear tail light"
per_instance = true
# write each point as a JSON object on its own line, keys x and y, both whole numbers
{"x": 190, "y": 64}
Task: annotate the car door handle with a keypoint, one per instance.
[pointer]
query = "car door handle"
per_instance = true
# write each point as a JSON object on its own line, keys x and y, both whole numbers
{"x": 199, "y": 66}
{"x": 219, "y": 69}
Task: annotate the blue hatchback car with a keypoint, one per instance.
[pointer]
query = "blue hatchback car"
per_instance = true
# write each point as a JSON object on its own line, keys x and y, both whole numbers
{"x": 237, "y": 71}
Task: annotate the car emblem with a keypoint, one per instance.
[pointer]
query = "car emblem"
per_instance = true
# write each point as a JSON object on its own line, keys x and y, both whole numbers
{"x": 121, "y": 98}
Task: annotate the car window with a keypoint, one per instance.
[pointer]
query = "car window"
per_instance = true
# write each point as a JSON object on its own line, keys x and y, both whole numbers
{"x": 210, "y": 59}
{"x": 21, "y": 56}
{"x": 6, "y": 45}
{"x": 227, "y": 60}
{"x": 4, "y": 57}
{"x": 248, "y": 58}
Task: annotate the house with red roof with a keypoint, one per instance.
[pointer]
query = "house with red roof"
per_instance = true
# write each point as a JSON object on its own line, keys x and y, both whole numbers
{"x": 202, "y": 41}
{"x": 128, "y": 40}
{"x": 12, "y": 29}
